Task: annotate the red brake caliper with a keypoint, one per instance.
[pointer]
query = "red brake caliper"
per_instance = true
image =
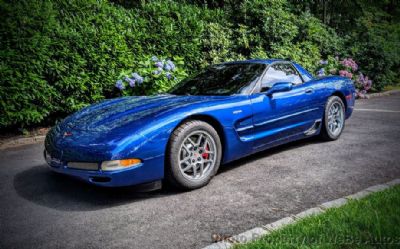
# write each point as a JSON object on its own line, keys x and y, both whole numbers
{"x": 205, "y": 155}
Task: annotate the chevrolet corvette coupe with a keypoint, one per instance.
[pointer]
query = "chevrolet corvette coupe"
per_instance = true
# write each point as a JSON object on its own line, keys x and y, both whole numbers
{"x": 226, "y": 112}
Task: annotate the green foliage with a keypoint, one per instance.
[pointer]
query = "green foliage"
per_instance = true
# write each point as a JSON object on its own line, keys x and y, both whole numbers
{"x": 216, "y": 48}
{"x": 58, "y": 56}
{"x": 370, "y": 31}
{"x": 375, "y": 43}
{"x": 25, "y": 95}
{"x": 147, "y": 78}
{"x": 325, "y": 38}
{"x": 268, "y": 29}
{"x": 305, "y": 53}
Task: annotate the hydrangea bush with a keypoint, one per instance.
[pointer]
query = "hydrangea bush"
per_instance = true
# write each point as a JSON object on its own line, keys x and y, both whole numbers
{"x": 346, "y": 67}
{"x": 153, "y": 75}
{"x": 70, "y": 54}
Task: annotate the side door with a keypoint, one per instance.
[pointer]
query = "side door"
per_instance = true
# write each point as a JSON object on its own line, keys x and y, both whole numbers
{"x": 282, "y": 116}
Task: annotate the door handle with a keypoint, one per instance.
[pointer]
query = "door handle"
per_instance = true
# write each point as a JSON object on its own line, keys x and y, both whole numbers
{"x": 309, "y": 90}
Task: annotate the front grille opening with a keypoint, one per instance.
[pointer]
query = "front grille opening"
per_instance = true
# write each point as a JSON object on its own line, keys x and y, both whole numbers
{"x": 100, "y": 179}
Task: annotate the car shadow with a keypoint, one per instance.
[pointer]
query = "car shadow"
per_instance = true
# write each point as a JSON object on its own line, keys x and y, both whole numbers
{"x": 269, "y": 152}
{"x": 40, "y": 185}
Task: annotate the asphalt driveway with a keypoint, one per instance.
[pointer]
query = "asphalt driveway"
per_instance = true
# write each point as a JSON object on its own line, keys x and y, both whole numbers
{"x": 43, "y": 210}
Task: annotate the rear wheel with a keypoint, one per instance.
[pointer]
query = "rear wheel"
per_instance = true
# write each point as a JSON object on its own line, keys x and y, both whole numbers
{"x": 193, "y": 155}
{"x": 334, "y": 119}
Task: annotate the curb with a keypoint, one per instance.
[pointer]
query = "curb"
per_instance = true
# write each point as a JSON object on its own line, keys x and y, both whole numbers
{"x": 257, "y": 232}
{"x": 22, "y": 141}
{"x": 387, "y": 93}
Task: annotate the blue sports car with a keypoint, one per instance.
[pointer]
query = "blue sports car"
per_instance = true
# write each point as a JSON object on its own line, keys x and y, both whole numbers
{"x": 226, "y": 112}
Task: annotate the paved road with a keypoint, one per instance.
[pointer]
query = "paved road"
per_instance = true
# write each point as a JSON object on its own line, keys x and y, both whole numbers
{"x": 42, "y": 210}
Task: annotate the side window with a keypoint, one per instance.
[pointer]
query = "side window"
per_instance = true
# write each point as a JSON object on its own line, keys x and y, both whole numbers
{"x": 280, "y": 73}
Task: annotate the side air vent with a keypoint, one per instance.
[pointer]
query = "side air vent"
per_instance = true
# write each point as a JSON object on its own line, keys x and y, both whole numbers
{"x": 314, "y": 128}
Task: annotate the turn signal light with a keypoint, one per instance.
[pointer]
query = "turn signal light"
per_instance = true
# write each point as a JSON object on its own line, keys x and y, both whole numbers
{"x": 129, "y": 162}
{"x": 120, "y": 164}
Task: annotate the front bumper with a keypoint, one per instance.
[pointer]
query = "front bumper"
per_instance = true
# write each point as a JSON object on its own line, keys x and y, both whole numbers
{"x": 138, "y": 174}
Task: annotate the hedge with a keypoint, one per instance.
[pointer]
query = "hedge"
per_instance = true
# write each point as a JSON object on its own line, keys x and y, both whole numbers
{"x": 59, "y": 56}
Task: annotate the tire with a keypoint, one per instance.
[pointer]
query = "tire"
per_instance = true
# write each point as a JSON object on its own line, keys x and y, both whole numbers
{"x": 202, "y": 165}
{"x": 328, "y": 131}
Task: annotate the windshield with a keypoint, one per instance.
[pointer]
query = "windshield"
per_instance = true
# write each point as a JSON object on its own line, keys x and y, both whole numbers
{"x": 223, "y": 79}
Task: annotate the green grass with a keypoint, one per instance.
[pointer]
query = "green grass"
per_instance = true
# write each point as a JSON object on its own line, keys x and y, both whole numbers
{"x": 372, "y": 222}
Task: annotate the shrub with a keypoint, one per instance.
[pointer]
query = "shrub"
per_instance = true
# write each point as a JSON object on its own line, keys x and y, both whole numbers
{"x": 375, "y": 42}
{"x": 25, "y": 49}
{"x": 58, "y": 56}
{"x": 306, "y": 53}
{"x": 270, "y": 29}
{"x": 217, "y": 44}
{"x": 346, "y": 68}
{"x": 152, "y": 75}
{"x": 323, "y": 37}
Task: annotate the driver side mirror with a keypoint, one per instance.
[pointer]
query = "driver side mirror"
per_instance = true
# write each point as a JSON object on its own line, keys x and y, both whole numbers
{"x": 279, "y": 87}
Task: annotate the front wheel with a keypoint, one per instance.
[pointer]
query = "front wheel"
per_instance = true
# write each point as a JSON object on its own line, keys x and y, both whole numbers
{"x": 334, "y": 119}
{"x": 193, "y": 155}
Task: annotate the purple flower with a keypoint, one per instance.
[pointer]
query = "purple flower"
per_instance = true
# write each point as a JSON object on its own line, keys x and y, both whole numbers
{"x": 131, "y": 81}
{"x": 138, "y": 78}
{"x": 321, "y": 72}
{"x": 322, "y": 62}
{"x": 169, "y": 65}
{"x": 120, "y": 85}
{"x": 361, "y": 77}
{"x": 364, "y": 82}
{"x": 169, "y": 75}
{"x": 157, "y": 72}
{"x": 159, "y": 64}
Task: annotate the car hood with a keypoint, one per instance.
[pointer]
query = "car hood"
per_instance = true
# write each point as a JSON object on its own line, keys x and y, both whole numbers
{"x": 138, "y": 110}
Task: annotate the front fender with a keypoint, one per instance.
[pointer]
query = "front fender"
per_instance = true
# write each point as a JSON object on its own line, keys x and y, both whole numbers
{"x": 232, "y": 116}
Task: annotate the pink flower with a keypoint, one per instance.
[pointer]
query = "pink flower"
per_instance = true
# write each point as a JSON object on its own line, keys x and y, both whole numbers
{"x": 349, "y": 75}
{"x": 349, "y": 63}
{"x": 345, "y": 73}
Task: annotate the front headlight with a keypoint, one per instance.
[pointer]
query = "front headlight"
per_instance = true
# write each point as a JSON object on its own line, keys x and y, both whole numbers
{"x": 120, "y": 164}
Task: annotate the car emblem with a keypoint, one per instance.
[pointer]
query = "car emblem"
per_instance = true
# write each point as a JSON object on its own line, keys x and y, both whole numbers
{"x": 67, "y": 134}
